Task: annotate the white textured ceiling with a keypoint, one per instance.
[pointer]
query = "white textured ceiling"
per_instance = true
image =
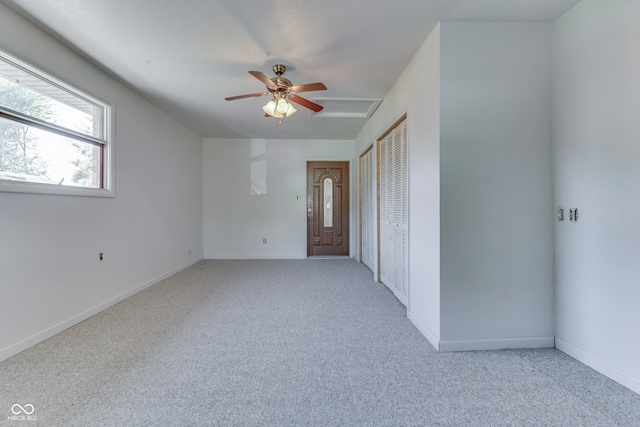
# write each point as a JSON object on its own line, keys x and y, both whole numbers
{"x": 186, "y": 56}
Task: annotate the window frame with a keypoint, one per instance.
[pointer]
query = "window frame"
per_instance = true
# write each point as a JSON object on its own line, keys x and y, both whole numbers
{"x": 106, "y": 144}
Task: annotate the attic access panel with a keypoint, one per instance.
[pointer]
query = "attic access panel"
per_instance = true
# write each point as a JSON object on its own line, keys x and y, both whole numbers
{"x": 346, "y": 108}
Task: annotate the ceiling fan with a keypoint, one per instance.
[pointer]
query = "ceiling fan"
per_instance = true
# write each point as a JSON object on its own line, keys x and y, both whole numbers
{"x": 283, "y": 91}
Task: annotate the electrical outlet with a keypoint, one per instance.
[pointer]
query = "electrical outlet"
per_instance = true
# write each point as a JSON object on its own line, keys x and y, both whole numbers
{"x": 101, "y": 256}
{"x": 264, "y": 241}
{"x": 189, "y": 252}
{"x": 573, "y": 215}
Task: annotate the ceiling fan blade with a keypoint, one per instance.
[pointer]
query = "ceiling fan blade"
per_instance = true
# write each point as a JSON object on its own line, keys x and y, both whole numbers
{"x": 264, "y": 79}
{"x": 305, "y": 103}
{"x": 249, "y": 95}
{"x": 309, "y": 87}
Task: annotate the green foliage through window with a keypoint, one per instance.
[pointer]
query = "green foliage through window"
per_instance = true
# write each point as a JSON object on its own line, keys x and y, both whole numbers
{"x": 18, "y": 147}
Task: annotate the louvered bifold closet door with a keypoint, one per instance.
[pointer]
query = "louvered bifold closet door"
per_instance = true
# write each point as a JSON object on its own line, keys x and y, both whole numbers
{"x": 387, "y": 274}
{"x": 368, "y": 209}
{"x": 394, "y": 211}
{"x": 402, "y": 239}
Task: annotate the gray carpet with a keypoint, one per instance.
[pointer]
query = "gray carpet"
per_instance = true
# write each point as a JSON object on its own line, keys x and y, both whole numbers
{"x": 290, "y": 343}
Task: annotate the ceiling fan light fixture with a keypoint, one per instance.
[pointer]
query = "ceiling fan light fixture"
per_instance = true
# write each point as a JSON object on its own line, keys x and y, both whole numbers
{"x": 270, "y": 108}
{"x": 290, "y": 111}
{"x": 283, "y": 105}
{"x": 279, "y": 107}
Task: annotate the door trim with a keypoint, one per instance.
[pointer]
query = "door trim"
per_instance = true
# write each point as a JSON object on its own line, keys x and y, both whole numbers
{"x": 360, "y": 160}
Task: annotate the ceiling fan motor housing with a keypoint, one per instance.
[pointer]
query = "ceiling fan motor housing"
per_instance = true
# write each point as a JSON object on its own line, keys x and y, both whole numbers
{"x": 282, "y": 83}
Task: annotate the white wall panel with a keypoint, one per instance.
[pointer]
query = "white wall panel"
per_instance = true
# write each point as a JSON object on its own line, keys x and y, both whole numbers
{"x": 496, "y": 190}
{"x": 596, "y": 116}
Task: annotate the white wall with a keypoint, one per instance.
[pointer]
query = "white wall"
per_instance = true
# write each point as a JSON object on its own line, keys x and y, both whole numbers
{"x": 417, "y": 93}
{"x": 596, "y": 115}
{"x": 250, "y": 194}
{"x": 50, "y": 275}
{"x": 495, "y": 185}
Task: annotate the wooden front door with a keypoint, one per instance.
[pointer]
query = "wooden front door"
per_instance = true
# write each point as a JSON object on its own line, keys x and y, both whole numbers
{"x": 327, "y": 208}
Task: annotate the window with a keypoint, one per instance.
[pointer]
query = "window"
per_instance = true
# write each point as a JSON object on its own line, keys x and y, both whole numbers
{"x": 328, "y": 202}
{"x": 54, "y": 139}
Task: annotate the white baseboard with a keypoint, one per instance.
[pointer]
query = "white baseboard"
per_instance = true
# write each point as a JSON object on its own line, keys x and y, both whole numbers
{"x": 619, "y": 376}
{"x": 497, "y": 343}
{"x": 232, "y": 257}
{"x": 34, "y": 339}
{"x": 430, "y": 336}
{"x": 484, "y": 344}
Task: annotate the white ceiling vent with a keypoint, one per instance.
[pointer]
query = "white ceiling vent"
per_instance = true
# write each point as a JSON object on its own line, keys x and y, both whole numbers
{"x": 346, "y": 108}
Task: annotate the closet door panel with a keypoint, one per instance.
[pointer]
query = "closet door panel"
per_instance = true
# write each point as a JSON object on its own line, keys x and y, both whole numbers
{"x": 386, "y": 212}
{"x": 394, "y": 211}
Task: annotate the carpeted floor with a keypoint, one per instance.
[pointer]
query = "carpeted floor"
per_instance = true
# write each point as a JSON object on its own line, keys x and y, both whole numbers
{"x": 290, "y": 343}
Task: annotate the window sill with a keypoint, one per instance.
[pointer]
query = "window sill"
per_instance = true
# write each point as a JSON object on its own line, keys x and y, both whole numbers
{"x": 52, "y": 189}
